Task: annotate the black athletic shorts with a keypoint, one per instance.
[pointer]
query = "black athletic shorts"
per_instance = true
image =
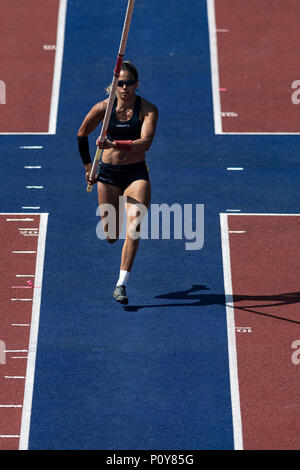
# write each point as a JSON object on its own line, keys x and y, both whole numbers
{"x": 122, "y": 175}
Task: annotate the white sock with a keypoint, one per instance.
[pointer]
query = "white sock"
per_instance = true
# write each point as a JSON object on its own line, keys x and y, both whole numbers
{"x": 123, "y": 278}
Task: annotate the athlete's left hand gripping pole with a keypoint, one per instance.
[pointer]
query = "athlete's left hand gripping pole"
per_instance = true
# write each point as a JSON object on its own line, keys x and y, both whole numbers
{"x": 113, "y": 89}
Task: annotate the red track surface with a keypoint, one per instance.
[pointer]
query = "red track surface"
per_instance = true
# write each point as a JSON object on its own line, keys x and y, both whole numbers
{"x": 13, "y": 313}
{"x": 258, "y": 62}
{"x": 265, "y": 267}
{"x": 26, "y": 67}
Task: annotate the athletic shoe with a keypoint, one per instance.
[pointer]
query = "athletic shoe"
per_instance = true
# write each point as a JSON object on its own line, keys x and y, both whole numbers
{"x": 120, "y": 295}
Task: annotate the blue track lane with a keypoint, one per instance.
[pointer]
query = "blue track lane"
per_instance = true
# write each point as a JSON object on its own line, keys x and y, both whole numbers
{"x": 153, "y": 376}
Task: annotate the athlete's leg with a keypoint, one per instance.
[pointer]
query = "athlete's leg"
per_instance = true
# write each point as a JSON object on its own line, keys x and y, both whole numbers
{"x": 137, "y": 201}
{"x": 108, "y": 197}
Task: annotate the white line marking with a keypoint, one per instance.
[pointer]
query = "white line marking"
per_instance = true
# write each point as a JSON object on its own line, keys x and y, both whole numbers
{"x": 233, "y": 210}
{"x": 33, "y": 167}
{"x": 20, "y": 324}
{"x": 22, "y": 300}
{"x": 11, "y": 406}
{"x": 222, "y": 30}
{"x": 8, "y": 436}
{"x": 236, "y": 231}
{"x": 58, "y": 65}
{"x": 214, "y": 66}
{"x": 49, "y": 47}
{"x": 30, "y": 207}
{"x": 243, "y": 329}
{"x": 32, "y": 147}
{"x": 19, "y": 357}
{"x": 18, "y": 220}
{"x": 30, "y": 234}
{"x": 233, "y": 368}
{"x": 14, "y": 377}
{"x": 28, "y": 228}
{"x": 16, "y": 350}
{"x": 21, "y": 287}
{"x": 34, "y": 187}
{"x": 229, "y": 114}
{"x": 234, "y": 168}
{"x": 24, "y": 252}
{"x": 24, "y": 275}
{"x": 26, "y": 415}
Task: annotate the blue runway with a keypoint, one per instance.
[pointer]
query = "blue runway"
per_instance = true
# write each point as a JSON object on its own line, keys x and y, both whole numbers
{"x": 154, "y": 375}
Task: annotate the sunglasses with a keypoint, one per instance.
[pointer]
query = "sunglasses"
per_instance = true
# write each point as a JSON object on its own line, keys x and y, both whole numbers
{"x": 121, "y": 83}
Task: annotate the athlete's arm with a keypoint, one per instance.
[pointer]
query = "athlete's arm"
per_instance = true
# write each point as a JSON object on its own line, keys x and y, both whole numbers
{"x": 89, "y": 124}
{"x": 92, "y": 119}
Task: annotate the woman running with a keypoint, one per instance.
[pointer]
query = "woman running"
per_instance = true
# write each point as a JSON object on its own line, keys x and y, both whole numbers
{"x": 123, "y": 170}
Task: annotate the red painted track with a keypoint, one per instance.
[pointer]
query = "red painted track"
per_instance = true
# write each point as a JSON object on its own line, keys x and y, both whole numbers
{"x": 265, "y": 269}
{"x": 26, "y": 67}
{"x": 256, "y": 66}
{"x": 14, "y": 313}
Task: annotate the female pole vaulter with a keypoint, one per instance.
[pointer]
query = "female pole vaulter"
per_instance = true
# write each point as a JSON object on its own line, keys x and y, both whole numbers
{"x": 122, "y": 170}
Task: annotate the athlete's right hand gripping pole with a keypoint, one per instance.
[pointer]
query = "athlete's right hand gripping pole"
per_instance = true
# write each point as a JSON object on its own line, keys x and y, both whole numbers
{"x": 113, "y": 89}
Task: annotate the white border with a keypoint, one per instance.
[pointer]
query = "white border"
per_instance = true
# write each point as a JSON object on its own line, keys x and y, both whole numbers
{"x": 58, "y": 65}
{"x": 232, "y": 354}
{"x": 214, "y": 65}
{"x": 32, "y": 349}
{"x": 60, "y": 38}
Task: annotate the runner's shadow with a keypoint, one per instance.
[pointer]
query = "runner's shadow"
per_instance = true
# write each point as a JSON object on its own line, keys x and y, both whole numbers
{"x": 200, "y": 299}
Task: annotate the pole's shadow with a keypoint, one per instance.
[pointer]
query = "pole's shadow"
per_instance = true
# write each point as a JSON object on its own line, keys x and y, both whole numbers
{"x": 202, "y": 299}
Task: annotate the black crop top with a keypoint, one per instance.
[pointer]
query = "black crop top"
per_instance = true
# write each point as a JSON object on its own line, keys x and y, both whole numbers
{"x": 125, "y": 130}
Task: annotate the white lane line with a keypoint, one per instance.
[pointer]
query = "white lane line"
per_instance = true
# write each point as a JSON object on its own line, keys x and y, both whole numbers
{"x": 237, "y": 168}
{"x": 8, "y": 436}
{"x": 17, "y": 252}
{"x": 18, "y": 220}
{"x": 15, "y": 350}
{"x": 14, "y": 377}
{"x": 31, "y": 147}
{"x": 33, "y": 340}
{"x": 222, "y": 30}
{"x": 11, "y": 406}
{"x": 34, "y": 187}
{"x": 21, "y": 287}
{"x": 31, "y": 207}
{"x": 37, "y": 167}
{"x": 233, "y": 210}
{"x": 21, "y": 300}
{"x": 231, "y": 334}
{"x": 60, "y": 37}
{"x": 20, "y": 324}
{"x": 214, "y": 66}
{"x": 24, "y": 275}
{"x": 236, "y": 231}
